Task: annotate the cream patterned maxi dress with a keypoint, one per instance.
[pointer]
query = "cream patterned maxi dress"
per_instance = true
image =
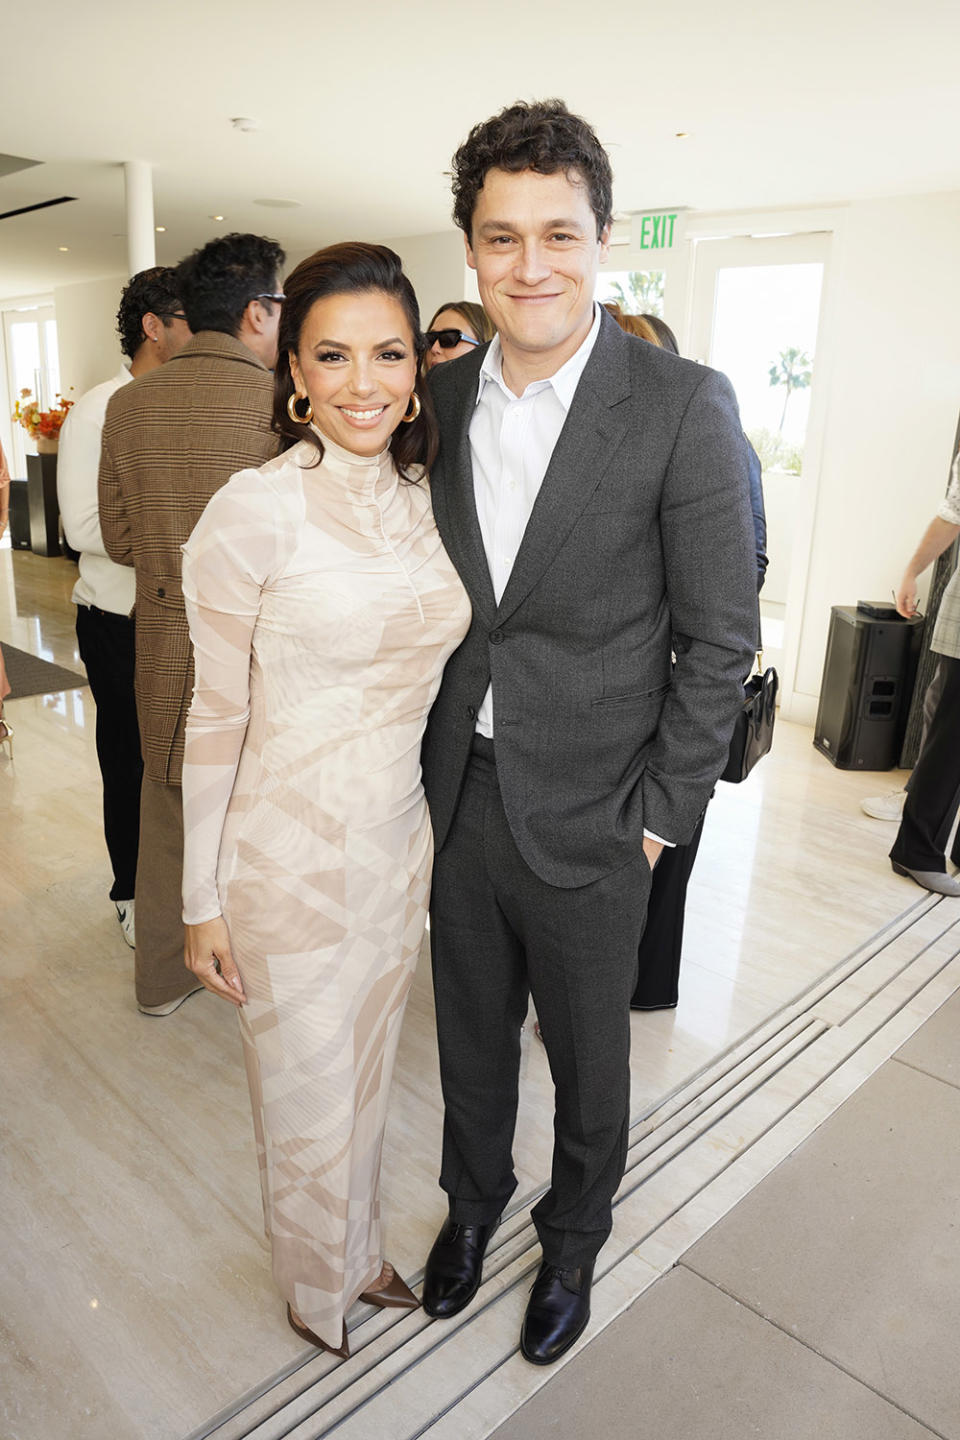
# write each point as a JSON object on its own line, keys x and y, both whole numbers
{"x": 322, "y": 609}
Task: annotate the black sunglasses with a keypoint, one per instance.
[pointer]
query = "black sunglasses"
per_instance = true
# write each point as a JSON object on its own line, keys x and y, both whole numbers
{"x": 449, "y": 339}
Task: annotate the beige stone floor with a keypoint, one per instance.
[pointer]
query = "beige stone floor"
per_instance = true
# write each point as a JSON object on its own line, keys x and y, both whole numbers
{"x": 135, "y": 1294}
{"x": 825, "y": 1306}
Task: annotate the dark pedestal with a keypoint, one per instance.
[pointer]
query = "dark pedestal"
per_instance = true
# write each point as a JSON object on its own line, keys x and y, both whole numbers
{"x": 868, "y": 677}
{"x": 44, "y": 510}
{"x": 19, "y": 515}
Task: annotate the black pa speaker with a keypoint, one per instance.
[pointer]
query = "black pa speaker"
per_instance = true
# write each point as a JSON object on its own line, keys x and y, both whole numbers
{"x": 868, "y": 677}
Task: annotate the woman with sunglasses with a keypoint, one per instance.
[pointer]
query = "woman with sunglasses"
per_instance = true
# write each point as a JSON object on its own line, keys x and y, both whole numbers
{"x": 322, "y": 608}
{"x": 454, "y": 331}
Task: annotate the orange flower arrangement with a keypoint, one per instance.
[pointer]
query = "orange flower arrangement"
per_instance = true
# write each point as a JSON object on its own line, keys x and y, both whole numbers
{"x": 39, "y": 422}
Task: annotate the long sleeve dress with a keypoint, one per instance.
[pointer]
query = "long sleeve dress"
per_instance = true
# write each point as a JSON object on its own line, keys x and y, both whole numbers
{"x": 322, "y": 609}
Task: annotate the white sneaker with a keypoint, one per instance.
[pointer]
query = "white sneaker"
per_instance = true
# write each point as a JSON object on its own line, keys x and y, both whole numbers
{"x": 170, "y": 1006}
{"x": 885, "y": 807}
{"x": 125, "y": 916}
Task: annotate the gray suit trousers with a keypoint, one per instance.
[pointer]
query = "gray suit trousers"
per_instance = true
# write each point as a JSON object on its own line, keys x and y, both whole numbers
{"x": 498, "y": 934}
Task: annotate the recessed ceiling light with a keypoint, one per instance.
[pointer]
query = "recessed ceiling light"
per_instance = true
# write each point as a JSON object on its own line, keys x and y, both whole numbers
{"x": 216, "y": 217}
{"x": 64, "y": 248}
{"x": 280, "y": 204}
{"x": 161, "y": 229}
{"x": 683, "y": 135}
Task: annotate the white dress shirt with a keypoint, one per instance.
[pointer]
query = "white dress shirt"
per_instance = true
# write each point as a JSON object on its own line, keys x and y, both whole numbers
{"x": 102, "y": 583}
{"x": 512, "y": 438}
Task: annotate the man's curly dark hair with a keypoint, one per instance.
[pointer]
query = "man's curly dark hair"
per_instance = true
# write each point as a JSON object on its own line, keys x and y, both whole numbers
{"x": 153, "y": 292}
{"x": 218, "y": 281}
{"x": 542, "y": 136}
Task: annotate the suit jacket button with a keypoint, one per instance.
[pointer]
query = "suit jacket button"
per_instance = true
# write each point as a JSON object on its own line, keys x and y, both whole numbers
{"x": 471, "y": 712}
{"x": 160, "y": 591}
{"x": 497, "y": 637}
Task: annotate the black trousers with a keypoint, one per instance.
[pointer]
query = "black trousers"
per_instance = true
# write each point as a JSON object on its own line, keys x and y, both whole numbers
{"x": 933, "y": 796}
{"x": 499, "y": 934}
{"x": 106, "y": 644}
{"x": 658, "y": 972}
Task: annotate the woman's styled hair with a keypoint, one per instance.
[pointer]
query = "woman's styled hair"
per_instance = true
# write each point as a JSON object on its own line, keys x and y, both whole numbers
{"x": 352, "y": 267}
{"x": 474, "y": 315}
{"x": 542, "y": 136}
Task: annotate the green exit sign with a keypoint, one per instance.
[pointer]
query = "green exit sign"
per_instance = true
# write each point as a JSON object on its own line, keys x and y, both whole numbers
{"x": 657, "y": 230}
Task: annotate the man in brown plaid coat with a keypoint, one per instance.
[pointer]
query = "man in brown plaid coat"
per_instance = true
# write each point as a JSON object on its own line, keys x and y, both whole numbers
{"x": 169, "y": 441}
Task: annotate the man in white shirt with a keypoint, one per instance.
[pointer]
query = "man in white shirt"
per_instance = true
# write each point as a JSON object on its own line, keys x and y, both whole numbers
{"x": 593, "y": 492}
{"x": 152, "y": 327}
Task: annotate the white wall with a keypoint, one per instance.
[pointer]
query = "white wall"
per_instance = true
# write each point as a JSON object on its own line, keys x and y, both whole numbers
{"x": 891, "y": 325}
{"x": 436, "y": 267}
{"x": 87, "y": 332}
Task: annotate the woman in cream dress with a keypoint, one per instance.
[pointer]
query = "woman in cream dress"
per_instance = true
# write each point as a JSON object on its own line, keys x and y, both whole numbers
{"x": 322, "y": 608}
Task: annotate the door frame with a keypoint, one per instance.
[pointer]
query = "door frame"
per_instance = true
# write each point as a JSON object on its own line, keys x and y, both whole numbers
{"x": 39, "y": 308}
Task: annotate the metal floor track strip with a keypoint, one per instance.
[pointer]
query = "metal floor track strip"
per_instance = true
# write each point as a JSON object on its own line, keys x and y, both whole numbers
{"x": 693, "y": 1154}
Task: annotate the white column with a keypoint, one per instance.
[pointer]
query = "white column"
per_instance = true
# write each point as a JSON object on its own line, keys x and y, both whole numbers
{"x": 141, "y": 237}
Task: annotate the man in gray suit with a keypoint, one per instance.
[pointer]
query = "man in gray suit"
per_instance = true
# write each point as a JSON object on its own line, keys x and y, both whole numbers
{"x": 592, "y": 491}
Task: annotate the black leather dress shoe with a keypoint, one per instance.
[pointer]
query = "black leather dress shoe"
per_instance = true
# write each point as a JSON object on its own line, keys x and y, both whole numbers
{"x": 454, "y": 1265}
{"x": 557, "y": 1313}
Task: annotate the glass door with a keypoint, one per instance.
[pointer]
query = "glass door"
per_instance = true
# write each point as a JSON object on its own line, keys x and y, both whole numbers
{"x": 30, "y": 342}
{"x": 755, "y": 316}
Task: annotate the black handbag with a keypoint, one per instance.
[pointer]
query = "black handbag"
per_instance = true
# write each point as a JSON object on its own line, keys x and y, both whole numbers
{"x": 753, "y": 733}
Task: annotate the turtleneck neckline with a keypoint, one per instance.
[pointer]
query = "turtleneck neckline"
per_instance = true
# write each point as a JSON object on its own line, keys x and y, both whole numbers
{"x": 361, "y": 479}
{"x": 347, "y": 457}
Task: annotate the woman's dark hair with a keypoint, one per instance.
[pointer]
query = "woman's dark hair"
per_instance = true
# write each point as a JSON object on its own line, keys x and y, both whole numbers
{"x": 476, "y": 317}
{"x": 352, "y": 267}
{"x": 541, "y": 136}
{"x": 151, "y": 292}
{"x": 218, "y": 281}
{"x": 663, "y": 332}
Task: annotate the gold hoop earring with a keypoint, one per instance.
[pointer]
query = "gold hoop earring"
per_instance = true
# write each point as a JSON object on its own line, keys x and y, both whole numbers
{"x": 292, "y": 409}
{"x": 408, "y": 419}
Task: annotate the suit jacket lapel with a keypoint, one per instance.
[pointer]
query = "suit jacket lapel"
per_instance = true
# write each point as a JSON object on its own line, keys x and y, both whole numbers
{"x": 456, "y": 500}
{"x": 588, "y": 441}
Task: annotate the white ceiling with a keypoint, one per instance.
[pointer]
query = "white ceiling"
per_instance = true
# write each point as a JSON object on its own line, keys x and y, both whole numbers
{"x": 359, "y": 110}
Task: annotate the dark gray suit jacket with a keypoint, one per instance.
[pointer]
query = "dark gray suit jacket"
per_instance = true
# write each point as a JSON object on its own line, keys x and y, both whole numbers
{"x": 640, "y": 541}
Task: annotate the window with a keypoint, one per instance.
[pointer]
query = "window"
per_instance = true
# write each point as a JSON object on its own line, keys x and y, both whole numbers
{"x": 637, "y": 292}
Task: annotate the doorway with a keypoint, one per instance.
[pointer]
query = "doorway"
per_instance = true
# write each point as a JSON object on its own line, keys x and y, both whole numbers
{"x": 30, "y": 345}
{"x": 756, "y": 312}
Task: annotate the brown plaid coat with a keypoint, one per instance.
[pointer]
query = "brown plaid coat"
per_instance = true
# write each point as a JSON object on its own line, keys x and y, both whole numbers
{"x": 170, "y": 440}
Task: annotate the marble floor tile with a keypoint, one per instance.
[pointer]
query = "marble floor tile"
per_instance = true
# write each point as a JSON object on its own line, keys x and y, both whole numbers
{"x": 845, "y": 1247}
{"x": 935, "y": 1049}
{"x": 687, "y": 1362}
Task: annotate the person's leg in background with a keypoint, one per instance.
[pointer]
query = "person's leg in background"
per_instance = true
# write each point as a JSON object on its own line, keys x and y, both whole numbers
{"x": 934, "y": 795}
{"x": 658, "y": 974}
{"x": 106, "y": 644}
